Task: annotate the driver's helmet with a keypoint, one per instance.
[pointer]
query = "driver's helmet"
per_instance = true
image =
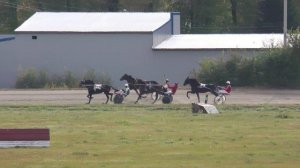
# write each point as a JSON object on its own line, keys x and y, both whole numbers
{"x": 167, "y": 80}
{"x": 126, "y": 84}
{"x": 228, "y": 82}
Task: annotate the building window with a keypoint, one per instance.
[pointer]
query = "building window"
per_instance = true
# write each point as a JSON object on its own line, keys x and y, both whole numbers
{"x": 34, "y": 37}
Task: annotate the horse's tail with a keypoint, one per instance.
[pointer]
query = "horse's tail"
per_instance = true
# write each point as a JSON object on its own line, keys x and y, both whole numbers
{"x": 213, "y": 89}
{"x": 214, "y": 92}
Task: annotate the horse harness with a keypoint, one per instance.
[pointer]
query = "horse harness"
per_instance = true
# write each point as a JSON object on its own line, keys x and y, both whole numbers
{"x": 147, "y": 86}
{"x": 97, "y": 86}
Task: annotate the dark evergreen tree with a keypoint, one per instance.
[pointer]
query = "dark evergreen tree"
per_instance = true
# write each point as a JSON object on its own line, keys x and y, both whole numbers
{"x": 197, "y": 16}
{"x": 271, "y": 16}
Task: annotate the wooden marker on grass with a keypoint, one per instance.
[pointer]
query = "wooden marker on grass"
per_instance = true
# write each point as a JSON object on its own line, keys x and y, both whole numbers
{"x": 204, "y": 108}
{"x": 11, "y": 138}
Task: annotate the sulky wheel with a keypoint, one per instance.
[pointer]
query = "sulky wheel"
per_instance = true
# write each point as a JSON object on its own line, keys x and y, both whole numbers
{"x": 220, "y": 99}
{"x": 118, "y": 99}
{"x": 167, "y": 99}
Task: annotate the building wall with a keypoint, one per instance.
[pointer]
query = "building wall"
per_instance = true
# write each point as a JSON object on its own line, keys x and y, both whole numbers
{"x": 110, "y": 53}
{"x": 167, "y": 30}
{"x": 8, "y": 70}
{"x": 114, "y": 54}
{"x": 163, "y": 33}
{"x": 176, "y": 65}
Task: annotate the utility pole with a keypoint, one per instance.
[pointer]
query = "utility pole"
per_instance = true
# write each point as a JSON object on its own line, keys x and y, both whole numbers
{"x": 285, "y": 22}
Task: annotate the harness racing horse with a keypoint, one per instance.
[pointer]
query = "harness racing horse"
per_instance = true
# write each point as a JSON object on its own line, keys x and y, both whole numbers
{"x": 97, "y": 89}
{"x": 142, "y": 87}
{"x": 197, "y": 88}
{"x": 131, "y": 82}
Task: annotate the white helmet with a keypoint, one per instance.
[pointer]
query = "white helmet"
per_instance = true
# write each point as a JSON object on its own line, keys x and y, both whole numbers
{"x": 228, "y": 82}
{"x": 126, "y": 85}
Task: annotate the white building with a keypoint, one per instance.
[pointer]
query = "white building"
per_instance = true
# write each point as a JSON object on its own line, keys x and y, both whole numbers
{"x": 146, "y": 45}
{"x": 7, "y": 64}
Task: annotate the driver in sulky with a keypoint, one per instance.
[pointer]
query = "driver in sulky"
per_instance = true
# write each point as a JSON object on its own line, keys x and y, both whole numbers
{"x": 166, "y": 85}
{"x": 126, "y": 90}
{"x": 226, "y": 89}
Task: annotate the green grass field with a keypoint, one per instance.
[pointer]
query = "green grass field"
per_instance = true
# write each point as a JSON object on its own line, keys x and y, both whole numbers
{"x": 136, "y": 136}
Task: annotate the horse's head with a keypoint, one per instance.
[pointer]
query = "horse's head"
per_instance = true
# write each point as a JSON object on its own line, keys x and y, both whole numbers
{"x": 186, "y": 81}
{"x": 126, "y": 77}
{"x": 81, "y": 83}
{"x": 86, "y": 82}
{"x": 191, "y": 81}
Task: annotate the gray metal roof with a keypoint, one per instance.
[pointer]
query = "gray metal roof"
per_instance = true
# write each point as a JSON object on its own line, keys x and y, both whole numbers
{"x": 94, "y": 22}
{"x": 6, "y": 37}
{"x": 220, "y": 41}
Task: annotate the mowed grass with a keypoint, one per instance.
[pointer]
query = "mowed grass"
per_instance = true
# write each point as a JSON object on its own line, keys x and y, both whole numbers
{"x": 136, "y": 136}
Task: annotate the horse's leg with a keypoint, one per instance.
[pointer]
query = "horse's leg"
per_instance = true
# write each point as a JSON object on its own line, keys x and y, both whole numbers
{"x": 139, "y": 97}
{"x": 111, "y": 95}
{"x": 90, "y": 98}
{"x": 107, "y": 98}
{"x": 198, "y": 97}
{"x": 136, "y": 91}
{"x": 89, "y": 95}
{"x": 187, "y": 94}
{"x": 156, "y": 97}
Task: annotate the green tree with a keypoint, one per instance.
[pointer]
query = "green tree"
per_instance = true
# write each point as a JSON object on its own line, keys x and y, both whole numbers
{"x": 90, "y": 75}
{"x": 271, "y": 16}
{"x": 293, "y": 14}
{"x": 202, "y": 16}
{"x": 8, "y": 15}
{"x": 245, "y": 15}
{"x": 70, "y": 79}
{"x": 197, "y": 16}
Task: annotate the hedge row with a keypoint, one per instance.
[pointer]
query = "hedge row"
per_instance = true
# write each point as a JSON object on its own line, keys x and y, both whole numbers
{"x": 32, "y": 78}
{"x": 276, "y": 67}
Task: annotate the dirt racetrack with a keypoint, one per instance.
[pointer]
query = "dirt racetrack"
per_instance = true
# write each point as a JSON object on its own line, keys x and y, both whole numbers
{"x": 71, "y": 97}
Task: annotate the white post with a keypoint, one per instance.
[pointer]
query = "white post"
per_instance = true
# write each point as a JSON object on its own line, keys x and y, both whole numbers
{"x": 285, "y": 22}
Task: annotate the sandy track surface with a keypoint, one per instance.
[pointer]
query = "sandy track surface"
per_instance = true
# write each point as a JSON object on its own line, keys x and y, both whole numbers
{"x": 71, "y": 97}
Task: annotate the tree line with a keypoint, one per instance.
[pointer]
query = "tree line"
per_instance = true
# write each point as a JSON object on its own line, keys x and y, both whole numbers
{"x": 277, "y": 67}
{"x": 197, "y": 16}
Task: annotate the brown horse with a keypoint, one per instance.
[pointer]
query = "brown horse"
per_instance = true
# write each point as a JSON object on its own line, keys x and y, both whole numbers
{"x": 197, "y": 88}
{"x": 142, "y": 87}
{"x": 97, "y": 89}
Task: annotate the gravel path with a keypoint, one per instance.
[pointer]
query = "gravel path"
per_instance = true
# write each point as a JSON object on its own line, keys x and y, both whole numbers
{"x": 71, "y": 97}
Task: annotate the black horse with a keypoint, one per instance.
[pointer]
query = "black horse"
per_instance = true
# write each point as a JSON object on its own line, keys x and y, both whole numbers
{"x": 142, "y": 87}
{"x": 197, "y": 88}
{"x": 97, "y": 89}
